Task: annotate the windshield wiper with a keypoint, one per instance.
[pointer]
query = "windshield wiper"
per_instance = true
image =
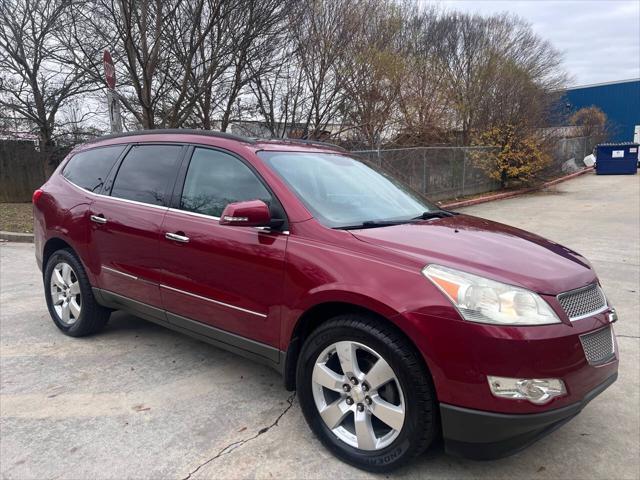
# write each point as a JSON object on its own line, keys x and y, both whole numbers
{"x": 387, "y": 223}
{"x": 375, "y": 224}
{"x": 435, "y": 214}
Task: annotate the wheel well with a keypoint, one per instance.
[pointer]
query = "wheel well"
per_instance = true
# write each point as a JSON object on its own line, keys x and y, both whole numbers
{"x": 316, "y": 316}
{"x": 52, "y": 245}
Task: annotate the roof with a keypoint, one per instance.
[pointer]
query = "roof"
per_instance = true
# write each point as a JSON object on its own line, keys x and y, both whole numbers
{"x": 174, "y": 131}
{"x": 295, "y": 141}
{"x": 602, "y": 84}
{"x": 267, "y": 143}
{"x": 618, "y": 144}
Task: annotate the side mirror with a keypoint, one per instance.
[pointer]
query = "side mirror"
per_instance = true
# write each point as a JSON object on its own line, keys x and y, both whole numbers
{"x": 252, "y": 213}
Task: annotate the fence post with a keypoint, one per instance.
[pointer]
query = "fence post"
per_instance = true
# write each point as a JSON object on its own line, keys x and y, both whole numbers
{"x": 452, "y": 165}
{"x": 424, "y": 171}
{"x": 464, "y": 169}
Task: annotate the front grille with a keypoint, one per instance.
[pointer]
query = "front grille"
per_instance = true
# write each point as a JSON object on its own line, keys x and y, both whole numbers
{"x": 598, "y": 346}
{"x": 583, "y": 302}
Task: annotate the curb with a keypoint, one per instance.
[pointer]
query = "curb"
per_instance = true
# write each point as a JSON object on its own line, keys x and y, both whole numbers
{"x": 524, "y": 191}
{"x": 16, "y": 237}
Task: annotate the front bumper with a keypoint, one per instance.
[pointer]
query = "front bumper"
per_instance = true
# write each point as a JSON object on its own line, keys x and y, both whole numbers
{"x": 460, "y": 355}
{"x": 483, "y": 435}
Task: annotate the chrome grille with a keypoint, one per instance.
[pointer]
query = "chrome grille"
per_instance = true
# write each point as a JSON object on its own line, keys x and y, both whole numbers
{"x": 598, "y": 346}
{"x": 583, "y": 302}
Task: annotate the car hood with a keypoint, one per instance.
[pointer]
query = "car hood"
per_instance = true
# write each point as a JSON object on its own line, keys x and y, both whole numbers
{"x": 487, "y": 248}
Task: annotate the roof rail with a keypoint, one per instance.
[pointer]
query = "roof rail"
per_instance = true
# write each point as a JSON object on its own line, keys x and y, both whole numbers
{"x": 304, "y": 142}
{"x": 182, "y": 131}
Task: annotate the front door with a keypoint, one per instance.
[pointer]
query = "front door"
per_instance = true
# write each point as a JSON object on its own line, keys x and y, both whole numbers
{"x": 227, "y": 277}
{"x": 127, "y": 220}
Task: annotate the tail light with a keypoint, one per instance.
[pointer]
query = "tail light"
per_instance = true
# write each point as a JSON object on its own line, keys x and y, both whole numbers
{"x": 36, "y": 195}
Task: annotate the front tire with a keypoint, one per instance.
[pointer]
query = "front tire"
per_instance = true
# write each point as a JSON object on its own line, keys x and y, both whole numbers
{"x": 365, "y": 393}
{"x": 70, "y": 299}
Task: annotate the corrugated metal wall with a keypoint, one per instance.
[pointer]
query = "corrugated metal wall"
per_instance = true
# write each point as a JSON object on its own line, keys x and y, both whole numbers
{"x": 620, "y": 101}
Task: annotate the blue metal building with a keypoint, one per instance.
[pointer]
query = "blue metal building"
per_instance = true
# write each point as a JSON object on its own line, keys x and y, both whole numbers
{"x": 619, "y": 100}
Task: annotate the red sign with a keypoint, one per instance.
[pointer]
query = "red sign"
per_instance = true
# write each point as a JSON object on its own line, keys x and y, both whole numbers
{"x": 109, "y": 70}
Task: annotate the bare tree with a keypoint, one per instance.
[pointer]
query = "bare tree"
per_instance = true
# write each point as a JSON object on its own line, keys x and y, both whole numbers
{"x": 467, "y": 60}
{"x": 489, "y": 60}
{"x": 382, "y": 70}
{"x": 34, "y": 82}
{"x": 372, "y": 76}
{"x": 213, "y": 59}
{"x": 423, "y": 106}
{"x": 155, "y": 44}
{"x": 254, "y": 35}
{"x": 593, "y": 122}
{"x": 190, "y": 27}
{"x": 279, "y": 94}
{"x": 527, "y": 79}
{"x": 322, "y": 31}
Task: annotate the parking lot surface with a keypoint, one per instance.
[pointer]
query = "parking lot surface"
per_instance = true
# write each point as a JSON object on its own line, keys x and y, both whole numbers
{"x": 140, "y": 401}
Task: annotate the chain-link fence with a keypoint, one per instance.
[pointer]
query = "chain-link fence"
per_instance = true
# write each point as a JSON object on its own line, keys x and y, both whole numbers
{"x": 437, "y": 172}
{"x": 451, "y": 172}
{"x": 568, "y": 155}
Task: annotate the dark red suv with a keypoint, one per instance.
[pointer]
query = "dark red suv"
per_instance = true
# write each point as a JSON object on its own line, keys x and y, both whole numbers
{"x": 395, "y": 321}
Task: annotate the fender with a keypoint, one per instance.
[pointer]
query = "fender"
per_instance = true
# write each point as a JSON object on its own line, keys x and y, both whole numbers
{"x": 332, "y": 293}
{"x": 66, "y": 223}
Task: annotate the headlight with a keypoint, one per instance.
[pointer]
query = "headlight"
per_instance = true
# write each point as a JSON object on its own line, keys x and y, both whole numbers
{"x": 482, "y": 300}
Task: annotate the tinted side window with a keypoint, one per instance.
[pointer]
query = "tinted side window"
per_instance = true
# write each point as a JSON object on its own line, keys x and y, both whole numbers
{"x": 145, "y": 173}
{"x": 90, "y": 169}
{"x": 215, "y": 179}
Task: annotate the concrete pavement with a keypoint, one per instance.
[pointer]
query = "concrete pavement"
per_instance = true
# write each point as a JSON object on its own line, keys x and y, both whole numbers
{"x": 140, "y": 401}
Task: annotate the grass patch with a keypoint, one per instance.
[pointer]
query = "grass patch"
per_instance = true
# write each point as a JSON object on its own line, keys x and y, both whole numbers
{"x": 16, "y": 217}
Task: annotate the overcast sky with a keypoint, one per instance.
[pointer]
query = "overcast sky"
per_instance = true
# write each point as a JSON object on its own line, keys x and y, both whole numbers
{"x": 600, "y": 39}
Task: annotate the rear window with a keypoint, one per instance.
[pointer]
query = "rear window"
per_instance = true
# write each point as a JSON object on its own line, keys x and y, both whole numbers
{"x": 145, "y": 173}
{"x": 89, "y": 169}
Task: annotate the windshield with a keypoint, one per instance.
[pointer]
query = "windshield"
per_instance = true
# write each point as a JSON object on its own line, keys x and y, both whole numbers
{"x": 343, "y": 192}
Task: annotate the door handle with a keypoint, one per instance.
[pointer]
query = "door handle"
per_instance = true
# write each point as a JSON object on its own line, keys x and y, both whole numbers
{"x": 98, "y": 219}
{"x": 176, "y": 237}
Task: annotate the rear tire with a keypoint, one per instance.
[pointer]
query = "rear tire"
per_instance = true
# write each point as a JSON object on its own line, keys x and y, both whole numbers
{"x": 391, "y": 383}
{"x": 69, "y": 296}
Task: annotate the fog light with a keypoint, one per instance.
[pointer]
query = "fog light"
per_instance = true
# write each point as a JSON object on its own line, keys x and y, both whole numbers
{"x": 536, "y": 390}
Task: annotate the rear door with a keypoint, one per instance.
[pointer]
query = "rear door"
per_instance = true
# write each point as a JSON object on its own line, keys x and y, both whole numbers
{"x": 127, "y": 219}
{"x": 230, "y": 278}
{"x": 88, "y": 170}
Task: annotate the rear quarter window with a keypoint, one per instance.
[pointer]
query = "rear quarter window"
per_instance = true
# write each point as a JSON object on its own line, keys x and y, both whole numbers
{"x": 89, "y": 169}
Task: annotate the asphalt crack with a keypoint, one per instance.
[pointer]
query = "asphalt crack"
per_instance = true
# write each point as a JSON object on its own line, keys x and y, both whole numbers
{"x": 237, "y": 444}
{"x": 627, "y": 336}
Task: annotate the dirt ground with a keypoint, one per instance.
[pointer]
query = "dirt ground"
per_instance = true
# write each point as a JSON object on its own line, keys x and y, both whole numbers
{"x": 16, "y": 217}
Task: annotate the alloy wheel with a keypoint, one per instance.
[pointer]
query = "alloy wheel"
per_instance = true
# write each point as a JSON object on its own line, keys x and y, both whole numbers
{"x": 358, "y": 396}
{"x": 66, "y": 297}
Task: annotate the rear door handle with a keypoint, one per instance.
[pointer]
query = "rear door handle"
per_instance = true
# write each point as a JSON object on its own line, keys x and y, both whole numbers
{"x": 176, "y": 237}
{"x": 98, "y": 219}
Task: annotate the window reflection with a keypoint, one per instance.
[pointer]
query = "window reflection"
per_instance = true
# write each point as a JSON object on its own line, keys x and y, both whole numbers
{"x": 145, "y": 173}
{"x": 90, "y": 168}
{"x": 215, "y": 179}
